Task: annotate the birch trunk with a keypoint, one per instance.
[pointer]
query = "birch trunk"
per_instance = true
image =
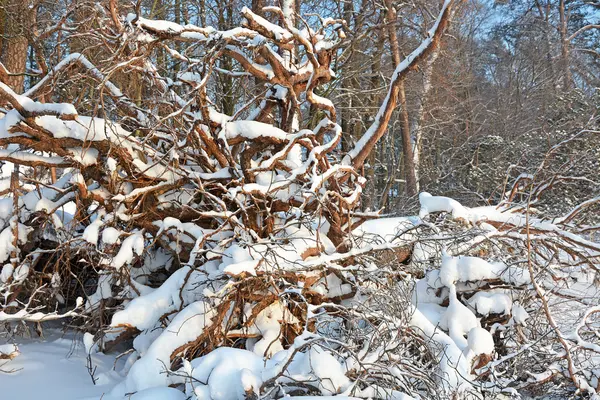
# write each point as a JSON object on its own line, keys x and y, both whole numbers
{"x": 420, "y": 120}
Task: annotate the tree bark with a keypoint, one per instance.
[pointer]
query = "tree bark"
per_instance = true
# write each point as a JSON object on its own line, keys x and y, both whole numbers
{"x": 420, "y": 120}
{"x": 407, "y": 146}
{"x": 564, "y": 47}
{"x": 13, "y": 56}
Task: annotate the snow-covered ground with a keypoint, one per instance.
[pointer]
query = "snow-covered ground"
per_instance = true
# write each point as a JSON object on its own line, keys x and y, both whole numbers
{"x": 55, "y": 368}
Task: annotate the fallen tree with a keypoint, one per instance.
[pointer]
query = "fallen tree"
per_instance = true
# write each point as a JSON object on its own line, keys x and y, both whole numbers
{"x": 226, "y": 246}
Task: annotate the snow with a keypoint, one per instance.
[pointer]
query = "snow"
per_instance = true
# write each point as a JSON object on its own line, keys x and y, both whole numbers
{"x": 7, "y": 271}
{"x": 9, "y": 350}
{"x": 161, "y": 393}
{"x": 85, "y": 157}
{"x": 386, "y": 228}
{"x": 30, "y": 158}
{"x": 88, "y": 342}
{"x": 519, "y": 314}
{"x": 45, "y": 205}
{"x": 34, "y": 107}
{"x": 6, "y": 209}
{"x": 452, "y": 364}
{"x": 315, "y": 365}
{"x": 110, "y": 235}
{"x": 9, "y": 120}
{"x": 7, "y": 238}
{"x": 335, "y": 286}
{"x": 459, "y": 320}
{"x": 155, "y": 25}
{"x": 21, "y": 273}
{"x": 55, "y": 368}
{"x": 103, "y": 290}
{"x": 149, "y": 370}
{"x": 248, "y": 267}
{"x": 325, "y": 102}
{"x": 132, "y": 245}
{"x": 222, "y": 173}
{"x": 90, "y": 234}
{"x": 473, "y": 269}
{"x": 268, "y": 326}
{"x": 38, "y": 316}
{"x": 250, "y": 130}
{"x": 431, "y": 204}
{"x": 143, "y": 312}
{"x": 154, "y": 170}
{"x": 480, "y": 341}
{"x": 486, "y": 303}
{"x": 169, "y": 223}
{"x": 84, "y": 129}
{"x": 189, "y": 77}
{"x": 278, "y": 32}
{"x": 168, "y": 297}
{"x": 230, "y": 374}
{"x": 225, "y": 374}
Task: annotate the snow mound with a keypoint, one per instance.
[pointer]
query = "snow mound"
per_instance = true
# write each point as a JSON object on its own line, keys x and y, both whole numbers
{"x": 431, "y": 204}
{"x": 480, "y": 341}
{"x": 225, "y": 374}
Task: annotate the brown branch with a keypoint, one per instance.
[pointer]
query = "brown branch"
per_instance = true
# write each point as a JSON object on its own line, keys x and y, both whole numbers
{"x": 367, "y": 142}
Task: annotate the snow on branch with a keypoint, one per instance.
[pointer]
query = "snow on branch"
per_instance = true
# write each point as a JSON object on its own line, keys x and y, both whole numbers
{"x": 28, "y": 108}
{"x": 377, "y": 129}
{"x": 218, "y": 236}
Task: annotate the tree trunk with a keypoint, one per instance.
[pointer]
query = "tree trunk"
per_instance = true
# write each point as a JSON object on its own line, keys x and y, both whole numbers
{"x": 564, "y": 47}
{"x": 257, "y": 6}
{"x": 407, "y": 146}
{"x": 420, "y": 121}
{"x": 375, "y": 82}
{"x": 288, "y": 7}
{"x": 350, "y": 84}
{"x": 14, "y": 46}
